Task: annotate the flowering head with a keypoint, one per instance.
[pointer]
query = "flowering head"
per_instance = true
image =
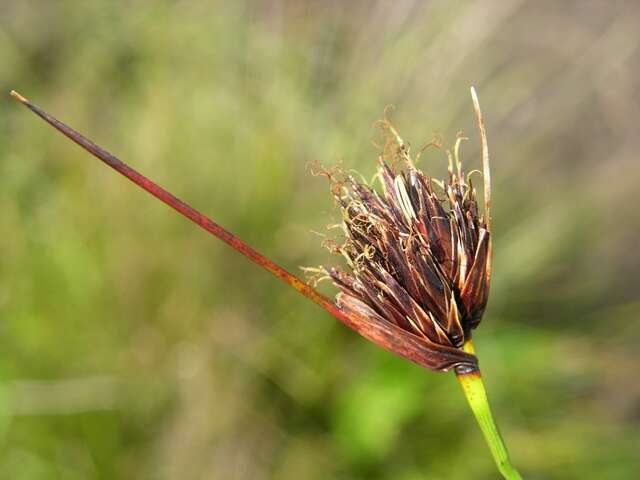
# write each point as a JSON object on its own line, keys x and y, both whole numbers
{"x": 418, "y": 252}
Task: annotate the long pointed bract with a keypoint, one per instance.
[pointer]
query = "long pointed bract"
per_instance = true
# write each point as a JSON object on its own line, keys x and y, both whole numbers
{"x": 486, "y": 174}
{"x": 384, "y": 334}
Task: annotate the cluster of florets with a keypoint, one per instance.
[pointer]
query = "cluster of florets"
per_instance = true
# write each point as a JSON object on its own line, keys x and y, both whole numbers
{"x": 418, "y": 251}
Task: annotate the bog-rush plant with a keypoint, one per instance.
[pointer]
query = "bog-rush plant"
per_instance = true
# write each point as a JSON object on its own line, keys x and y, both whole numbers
{"x": 418, "y": 254}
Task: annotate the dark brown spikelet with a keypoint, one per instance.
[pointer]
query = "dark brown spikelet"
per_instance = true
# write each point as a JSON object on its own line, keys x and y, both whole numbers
{"x": 418, "y": 251}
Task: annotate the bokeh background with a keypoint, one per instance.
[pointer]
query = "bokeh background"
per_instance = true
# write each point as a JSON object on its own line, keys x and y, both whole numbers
{"x": 133, "y": 345}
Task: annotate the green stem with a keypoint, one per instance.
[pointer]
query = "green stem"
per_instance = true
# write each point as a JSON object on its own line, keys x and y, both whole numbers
{"x": 473, "y": 389}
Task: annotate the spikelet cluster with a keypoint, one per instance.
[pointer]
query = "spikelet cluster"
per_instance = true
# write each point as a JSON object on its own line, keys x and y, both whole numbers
{"x": 418, "y": 251}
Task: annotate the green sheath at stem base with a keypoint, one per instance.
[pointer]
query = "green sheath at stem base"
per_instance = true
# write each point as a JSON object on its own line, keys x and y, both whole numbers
{"x": 473, "y": 389}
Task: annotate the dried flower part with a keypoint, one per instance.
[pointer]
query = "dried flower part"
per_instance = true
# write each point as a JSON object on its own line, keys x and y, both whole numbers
{"x": 418, "y": 251}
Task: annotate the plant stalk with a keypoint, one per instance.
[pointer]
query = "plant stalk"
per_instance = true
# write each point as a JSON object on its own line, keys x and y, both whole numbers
{"x": 476, "y": 395}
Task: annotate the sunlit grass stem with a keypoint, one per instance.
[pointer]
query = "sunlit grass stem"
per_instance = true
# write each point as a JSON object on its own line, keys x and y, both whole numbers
{"x": 473, "y": 388}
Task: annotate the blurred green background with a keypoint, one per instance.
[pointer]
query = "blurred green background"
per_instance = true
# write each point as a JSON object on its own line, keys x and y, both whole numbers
{"x": 133, "y": 345}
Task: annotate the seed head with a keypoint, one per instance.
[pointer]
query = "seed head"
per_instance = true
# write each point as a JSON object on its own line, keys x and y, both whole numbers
{"x": 418, "y": 251}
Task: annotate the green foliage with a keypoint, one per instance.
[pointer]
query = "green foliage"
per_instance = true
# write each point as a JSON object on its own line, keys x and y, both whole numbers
{"x": 371, "y": 411}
